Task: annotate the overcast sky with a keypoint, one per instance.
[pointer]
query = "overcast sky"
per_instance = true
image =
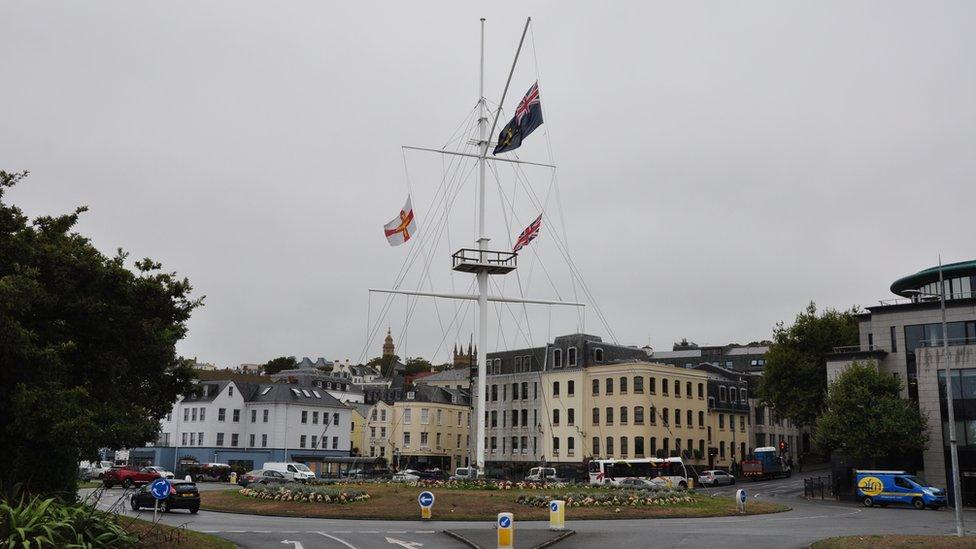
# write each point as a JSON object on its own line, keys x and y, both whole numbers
{"x": 720, "y": 164}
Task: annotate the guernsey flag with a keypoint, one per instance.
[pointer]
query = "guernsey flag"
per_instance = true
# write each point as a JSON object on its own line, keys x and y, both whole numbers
{"x": 402, "y": 227}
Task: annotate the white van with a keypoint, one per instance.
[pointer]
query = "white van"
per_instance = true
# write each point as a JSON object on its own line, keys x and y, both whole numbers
{"x": 291, "y": 470}
{"x": 541, "y": 474}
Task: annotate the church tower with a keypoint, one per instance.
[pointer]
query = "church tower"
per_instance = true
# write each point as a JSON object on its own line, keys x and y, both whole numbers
{"x": 388, "y": 345}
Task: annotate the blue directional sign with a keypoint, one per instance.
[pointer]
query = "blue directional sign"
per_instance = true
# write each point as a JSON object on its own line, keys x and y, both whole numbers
{"x": 425, "y": 499}
{"x": 742, "y": 496}
{"x": 160, "y": 488}
{"x": 504, "y": 521}
{"x": 554, "y": 507}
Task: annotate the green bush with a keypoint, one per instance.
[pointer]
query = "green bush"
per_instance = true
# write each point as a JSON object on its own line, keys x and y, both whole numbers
{"x": 35, "y": 522}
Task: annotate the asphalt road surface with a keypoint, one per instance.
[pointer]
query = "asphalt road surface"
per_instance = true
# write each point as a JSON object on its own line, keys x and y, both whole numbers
{"x": 807, "y": 522}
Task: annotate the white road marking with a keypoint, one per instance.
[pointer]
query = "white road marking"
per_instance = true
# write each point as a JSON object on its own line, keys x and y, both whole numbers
{"x": 424, "y": 532}
{"x": 342, "y": 541}
{"x": 406, "y": 544}
{"x": 298, "y": 544}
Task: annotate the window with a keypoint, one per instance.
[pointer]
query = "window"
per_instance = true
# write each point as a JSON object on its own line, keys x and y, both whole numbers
{"x": 870, "y": 341}
{"x": 382, "y": 432}
{"x": 638, "y": 415}
{"x": 301, "y": 441}
{"x": 184, "y": 439}
{"x": 596, "y": 446}
{"x": 203, "y": 414}
{"x": 265, "y": 416}
{"x": 742, "y": 396}
{"x": 237, "y": 416}
{"x": 372, "y": 416}
{"x": 424, "y": 416}
{"x": 653, "y": 418}
{"x": 664, "y": 386}
{"x": 570, "y": 388}
{"x": 494, "y": 392}
{"x": 677, "y": 417}
{"x": 760, "y": 416}
{"x": 894, "y": 341}
{"x": 494, "y": 418}
{"x": 557, "y": 358}
{"x": 518, "y": 364}
{"x": 406, "y": 439}
{"x": 221, "y": 414}
{"x": 609, "y": 386}
{"x": 638, "y": 385}
{"x": 596, "y": 387}
{"x": 525, "y": 419}
{"x": 691, "y": 418}
{"x": 688, "y": 389}
{"x": 555, "y": 446}
{"x": 494, "y": 444}
{"x": 652, "y": 385}
{"x": 424, "y": 439}
{"x": 653, "y": 446}
{"x": 315, "y": 418}
{"x": 525, "y": 390}
{"x": 570, "y": 445}
{"x": 555, "y": 388}
{"x": 677, "y": 388}
{"x": 193, "y": 439}
{"x": 515, "y": 391}
{"x": 665, "y": 416}
{"x": 609, "y": 446}
{"x": 701, "y": 447}
{"x": 572, "y": 356}
{"x": 623, "y": 415}
{"x": 701, "y": 419}
{"x": 721, "y": 449}
{"x": 733, "y": 394}
{"x": 251, "y": 441}
{"x": 721, "y": 421}
{"x": 742, "y": 423}
{"x": 233, "y": 439}
{"x": 407, "y": 416}
{"x": 515, "y": 416}
{"x": 193, "y": 414}
{"x": 264, "y": 441}
{"x": 623, "y": 386}
{"x": 382, "y": 415}
{"x": 555, "y": 417}
{"x": 535, "y": 389}
{"x": 571, "y": 417}
{"x": 597, "y": 355}
{"x": 304, "y": 416}
{"x": 639, "y": 446}
{"x": 623, "y": 446}
{"x": 711, "y": 402}
{"x": 609, "y": 416}
{"x": 596, "y": 416}
{"x": 230, "y": 390}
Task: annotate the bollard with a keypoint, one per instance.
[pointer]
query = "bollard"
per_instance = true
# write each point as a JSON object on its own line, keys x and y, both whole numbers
{"x": 188, "y": 478}
{"x": 506, "y": 531}
{"x": 691, "y": 484}
{"x": 740, "y": 500}
{"x": 233, "y": 477}
{"x": 426, "y": 501}
{"x": 557, "y": 514}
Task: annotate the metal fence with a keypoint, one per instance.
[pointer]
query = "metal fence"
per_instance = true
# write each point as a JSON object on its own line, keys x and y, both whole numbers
{"x": 822, "y": 487}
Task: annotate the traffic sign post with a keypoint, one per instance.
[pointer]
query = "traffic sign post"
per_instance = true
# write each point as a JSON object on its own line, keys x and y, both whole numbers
{"x": 557, "y": 514}
{"x": 426, "y": 501}
{"x": 506, "y": 530}
{"x": 740, "y": 499}
{"x": 160, "y": 490}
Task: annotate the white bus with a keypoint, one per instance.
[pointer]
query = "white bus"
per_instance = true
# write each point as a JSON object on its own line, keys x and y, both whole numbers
{"x": 660, "y": 471}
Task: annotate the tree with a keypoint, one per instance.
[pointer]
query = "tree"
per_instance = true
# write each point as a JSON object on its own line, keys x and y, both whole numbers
{"x": 384, "y": 364}
{"x": 276, "y": 365}
{"x": 88, "y": 348}
{"x": 867, "y": 419}
{"x": 794, "y": 380}
{"x": 417, "y": 365}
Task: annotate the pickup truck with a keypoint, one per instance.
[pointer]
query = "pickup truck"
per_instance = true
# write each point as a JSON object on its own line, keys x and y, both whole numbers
{"x": 129, "y": 476}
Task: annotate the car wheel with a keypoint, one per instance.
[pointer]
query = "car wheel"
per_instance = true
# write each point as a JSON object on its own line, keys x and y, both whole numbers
{"x": 683, "y": 485}
{"x": 127, "y": 483}
{"x": 867, "y": 501}
{"x": 108, "y": 485}
{"x": 194, "y": 510}
{"x": 918, "y": 504}
{"x": 133, "y": 504}
{"x": 732, "y": 483}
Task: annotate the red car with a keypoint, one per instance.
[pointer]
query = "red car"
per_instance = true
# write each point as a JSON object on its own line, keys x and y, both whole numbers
{"x": 129, "y": 476}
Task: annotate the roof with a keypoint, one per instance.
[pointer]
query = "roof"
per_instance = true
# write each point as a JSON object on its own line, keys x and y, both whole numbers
{"x": 691, "y": 353}
{"x": 925, "y": 276}
{"x": 430, "y": 393}
{"x": 747, "y": 350}
{"x": 288, "y": 393}
{"x": 209, "y": 391}
{"x": 457, "y": 374}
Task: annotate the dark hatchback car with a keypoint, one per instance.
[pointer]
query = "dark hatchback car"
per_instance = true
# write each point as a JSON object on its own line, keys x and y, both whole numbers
{"x": 182, "y": 495}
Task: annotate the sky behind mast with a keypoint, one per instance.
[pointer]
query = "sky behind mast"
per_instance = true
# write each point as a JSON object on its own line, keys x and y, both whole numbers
{"x": 720, "y": 164}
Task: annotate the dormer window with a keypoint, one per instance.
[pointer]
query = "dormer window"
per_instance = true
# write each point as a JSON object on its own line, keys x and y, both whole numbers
{"x": 597, "y": 355}
{"x": 572, "y": 356}
{"x": 230, "y": 390}
{"x": 411, "y": 395}
{"x": 557, "y": 358}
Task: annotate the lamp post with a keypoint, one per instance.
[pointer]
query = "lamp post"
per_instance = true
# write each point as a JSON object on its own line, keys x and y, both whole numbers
{"x": 953, "y": 451}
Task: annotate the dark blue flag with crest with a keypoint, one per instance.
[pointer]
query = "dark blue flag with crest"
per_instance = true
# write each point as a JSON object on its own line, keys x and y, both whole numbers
{"x": 528, "y": 117}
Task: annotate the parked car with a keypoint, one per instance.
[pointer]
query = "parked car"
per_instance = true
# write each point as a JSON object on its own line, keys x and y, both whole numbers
{"x": 261, "y": 476}
{"x": 542, "y": 474}
{"x": 162, "y": 471}
{"x": 640, "y": 484}
{"x": 128, "y": 476}
{"x": 201, "y": 472}
{"x": 433, "y": 474}
{"x": 292, "y": 470}
{"x": 465, "y": 473}
{"x": 884, "y": 487}
{"x": 715, "y": 478}
{"x": 407, "y": 475}
{"x": 182, "y": 495}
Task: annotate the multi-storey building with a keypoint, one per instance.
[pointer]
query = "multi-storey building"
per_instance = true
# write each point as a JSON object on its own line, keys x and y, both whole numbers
{"x": 580, "y": 398}
{"x": 904, "y": 337}
{"x": 427, "y": 429}
{"x": 454, "y": 378}
{"x": 729, "y": 431}
{"x": 247, "y": 424}
{"x": 310, "y": 374}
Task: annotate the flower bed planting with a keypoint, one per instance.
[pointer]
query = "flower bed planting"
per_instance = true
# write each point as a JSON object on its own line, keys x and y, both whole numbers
{"x": 305, "y": 493}
{"x": 482, "y": 484}
{"x": 642, "y": 498}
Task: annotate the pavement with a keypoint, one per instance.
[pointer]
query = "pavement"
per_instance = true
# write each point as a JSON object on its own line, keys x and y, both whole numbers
{"x": 808, "y": 521}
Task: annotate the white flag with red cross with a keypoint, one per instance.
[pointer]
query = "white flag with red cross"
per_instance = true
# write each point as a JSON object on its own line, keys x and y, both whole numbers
{"x": 402, "y": 227}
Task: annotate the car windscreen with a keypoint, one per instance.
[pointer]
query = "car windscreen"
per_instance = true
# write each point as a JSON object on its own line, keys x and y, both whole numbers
{"x": 302, "y": 467}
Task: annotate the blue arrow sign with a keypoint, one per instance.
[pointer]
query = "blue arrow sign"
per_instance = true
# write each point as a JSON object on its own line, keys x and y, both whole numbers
{"x": 742, "y": 496}
{"x": 159, "y": 488}
{"x": 554, "y": 507}
{"x": 425, "y": 499}
{"x": 504, "y": 521}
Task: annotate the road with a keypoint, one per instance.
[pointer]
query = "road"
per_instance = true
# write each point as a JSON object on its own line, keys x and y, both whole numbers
{"x": 808, "y": 521}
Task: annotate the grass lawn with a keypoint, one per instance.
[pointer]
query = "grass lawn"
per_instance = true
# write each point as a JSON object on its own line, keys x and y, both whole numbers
{"x": 89, "y": 484}
{"x": 392, "y": 502}
{"x": 163, "y": 536}
{"x": 897, "y": 542}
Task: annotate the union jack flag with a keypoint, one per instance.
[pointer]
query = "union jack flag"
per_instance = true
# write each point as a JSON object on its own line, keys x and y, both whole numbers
{"x": 528, "y": 117}
{"x": 528, "y": 234}
{"x": 531, "y": 98}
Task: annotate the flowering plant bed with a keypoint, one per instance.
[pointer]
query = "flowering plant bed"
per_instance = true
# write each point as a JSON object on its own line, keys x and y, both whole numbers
{"x": 611, "y": 499}
{"x": 304, "y": 493}
{"x": 482, "y": 484}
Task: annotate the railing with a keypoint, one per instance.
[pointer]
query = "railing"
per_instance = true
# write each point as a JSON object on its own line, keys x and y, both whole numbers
{"x": 484, "y": 257}
{"x": 856, "y": 348}
{"x": 822, "y": 486}
{"x": 937, "y": 342}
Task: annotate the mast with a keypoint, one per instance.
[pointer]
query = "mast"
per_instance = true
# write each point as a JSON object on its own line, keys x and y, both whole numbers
{"x": 482, "y": 275}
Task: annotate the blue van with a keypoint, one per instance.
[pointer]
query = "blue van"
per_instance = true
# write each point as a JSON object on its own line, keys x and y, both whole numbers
{"x": 884, "y": 487}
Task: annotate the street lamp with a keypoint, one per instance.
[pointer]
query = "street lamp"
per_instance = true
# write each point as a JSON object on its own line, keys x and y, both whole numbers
{"x": 953, "y": 451}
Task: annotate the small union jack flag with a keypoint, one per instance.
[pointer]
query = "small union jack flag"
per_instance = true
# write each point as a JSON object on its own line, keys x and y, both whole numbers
{"x": 528, "y": 234}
